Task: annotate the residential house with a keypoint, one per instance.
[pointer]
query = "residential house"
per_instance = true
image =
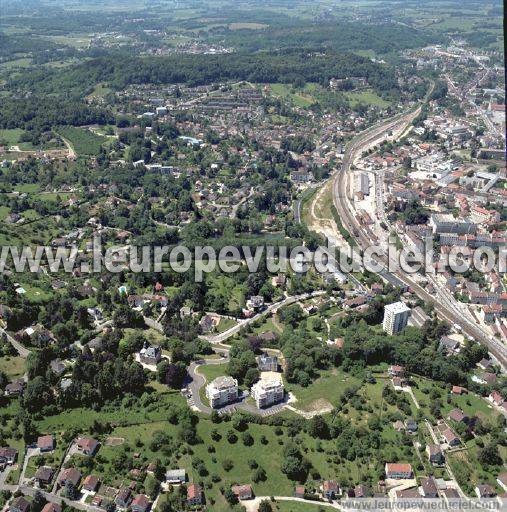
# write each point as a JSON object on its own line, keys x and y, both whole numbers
{"x": 15, "y": 388}
{"x": 496, "y": 398}
{"x": 243, "y": 492}
{"x": 485, "y": 491}
{"x": 46, "y": 443}
{"x": 396, "y": 470}
{"x": 19, "y": 504}
{"x": 57, "y": 367}
{"x": 435, "y": 454}
{"x": 44, "y": 475}
{"x": 70, "y": 475}
{"x": 8, "y": 455}
{"x": 140, "y": 503}
{"x": 123, "y": 498}
{"x": 411, "y": 425}
{"x": 450, "y": 437}
{"x": 176, "y": 476}
{"x": 397, "y": 371}
{"x": 90, "y": 483}
{"x": 330, "y": 489}
{"x": 429, "y": 487}
{"x": 194, "y": 495}
{"x": 150, "y": 354}
{"x": 87, "y": 445}
{"x": 51, "y": 507}
{"x": 459, "y": 416}
{"x": 267, "y": 363}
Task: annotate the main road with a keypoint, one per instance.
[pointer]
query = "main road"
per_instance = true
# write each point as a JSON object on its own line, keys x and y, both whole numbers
{"x": 445, "y": 307}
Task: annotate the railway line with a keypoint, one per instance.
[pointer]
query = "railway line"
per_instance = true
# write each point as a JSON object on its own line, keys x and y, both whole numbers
{"x": 444, "y": 306}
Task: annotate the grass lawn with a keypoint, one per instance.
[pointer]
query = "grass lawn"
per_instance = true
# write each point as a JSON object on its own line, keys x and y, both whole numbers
{"x": 83, "y": 141}
{"x": 12, "y": 366}
{"x": 299, "y": 98}
{"x": 368, "y": 97}
{"x": 4, "y": 211}
{"x": 225, "y": 323}
{"x": 328, "y": 387}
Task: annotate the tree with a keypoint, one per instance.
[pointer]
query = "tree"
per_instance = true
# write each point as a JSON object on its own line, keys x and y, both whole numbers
{"x": 38, "y": 502}
{"x": 489, "y": 455}
{"x": 318, "y": 427}
{"x": 265, "y": 506}
{"x": 71, "y": 491}
{"x": 231, "y": 498}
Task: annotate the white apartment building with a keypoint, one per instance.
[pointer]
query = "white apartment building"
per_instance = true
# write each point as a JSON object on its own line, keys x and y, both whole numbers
{"x": 222, "y": 391}
{"x": 268, "y": 391}
{"x": 395, "y": 317}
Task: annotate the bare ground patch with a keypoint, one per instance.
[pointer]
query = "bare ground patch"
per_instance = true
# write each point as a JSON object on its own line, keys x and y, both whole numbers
{"x": 114, "y": 441}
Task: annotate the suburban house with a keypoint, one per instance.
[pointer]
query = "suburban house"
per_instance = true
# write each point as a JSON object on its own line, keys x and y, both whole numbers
{"x": 176, "y": 476}
{"x": 194, "y": 495}
{"x": 90, "y": 483}
{"x": 361, "y": 491}
{"x": 496, "y": 398}
{"x": 330, "y": 489}
{"x": 150, "y": 354}
{"x": 435, "y": 454}
{"x": 15, "y": 388}
{"x": 398, "y": 470}
{"x": 44, "y": 475}
{"x": 87, "y": 445}
{"x": 411, "y": 426}
{"x": 397, "y": 371}
{"x": 51, "y": 507}
{"x": 46, "y": 443}
{"x": 429, "y": 487}
{"x": 267, "y": 363}
{"x": 485, "y": 491}
{"x": 140, "y": 503}
{"x": 243, "y": 492}
{"x": 70, "y": 475}
{"x": 459, "y": 416}
{"x": 8, "y": 455}
{"x": 19, "y": 504}
{"x": 123, "y": 498}
{"x": 450, "y": 437}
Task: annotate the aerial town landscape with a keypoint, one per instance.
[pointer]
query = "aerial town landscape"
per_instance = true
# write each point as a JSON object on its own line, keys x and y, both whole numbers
{"x": 221, "y": 127}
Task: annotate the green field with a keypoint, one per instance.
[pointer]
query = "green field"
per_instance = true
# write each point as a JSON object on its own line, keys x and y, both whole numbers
{"x": 83, "y": 141}
{"x": 12, "y": 366}
{"x": 367, "y": 97}
{"x": 298, "y": 98}
{"x": 11, "y": 138}
{"x": 327, "y": 388}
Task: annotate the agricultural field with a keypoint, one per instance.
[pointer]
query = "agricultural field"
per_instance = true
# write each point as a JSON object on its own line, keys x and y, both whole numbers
{"x": 366, "y": 97}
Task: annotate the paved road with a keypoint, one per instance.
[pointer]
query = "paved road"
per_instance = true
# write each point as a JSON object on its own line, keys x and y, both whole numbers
{"x": 442, "y": 304}
{"x": 30, "y": 491}
{"x": 219, "y": 338}
{"x": 22, "y": 351}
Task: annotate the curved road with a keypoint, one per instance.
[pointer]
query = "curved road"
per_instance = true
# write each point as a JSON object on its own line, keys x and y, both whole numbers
{"x": 272, "y": 308}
